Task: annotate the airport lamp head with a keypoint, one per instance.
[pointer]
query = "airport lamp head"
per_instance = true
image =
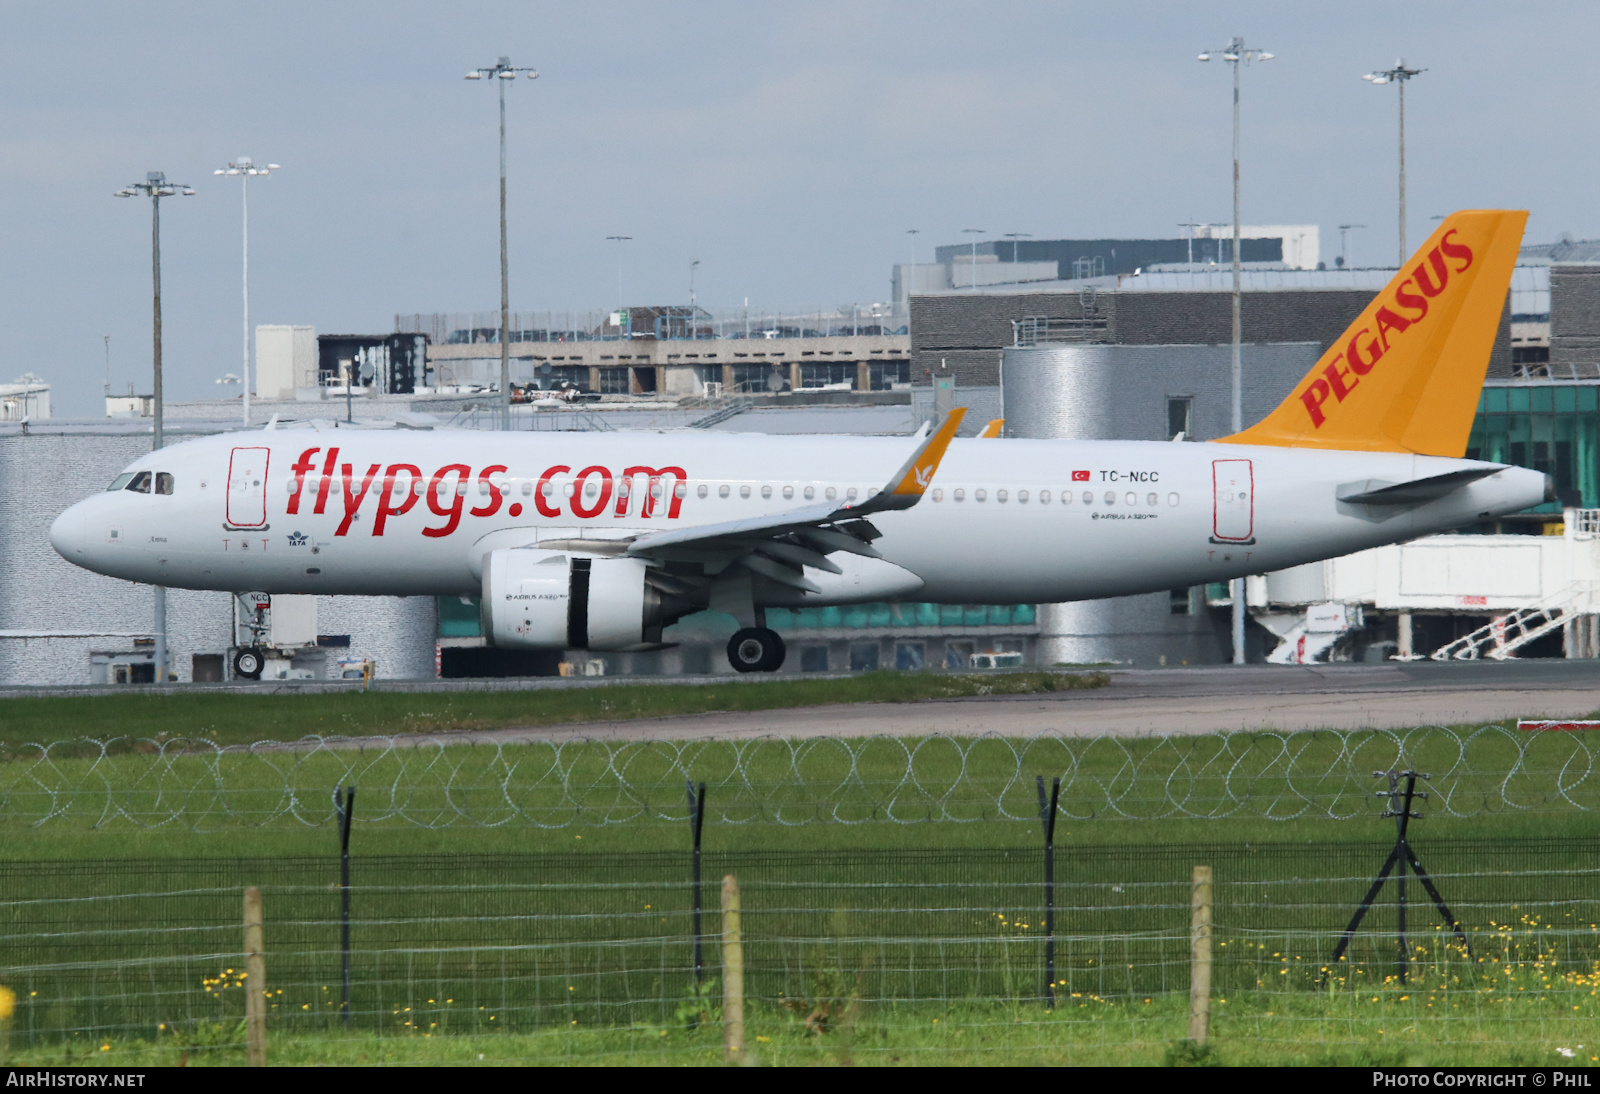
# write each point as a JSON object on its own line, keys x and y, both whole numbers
{"x": 502, "y": 69}
{"x": 155, "y": 185}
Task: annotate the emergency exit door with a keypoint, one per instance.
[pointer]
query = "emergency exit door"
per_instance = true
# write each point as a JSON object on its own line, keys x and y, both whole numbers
{"x": 247, "y": 487}
{"x": 1233, "y": 497}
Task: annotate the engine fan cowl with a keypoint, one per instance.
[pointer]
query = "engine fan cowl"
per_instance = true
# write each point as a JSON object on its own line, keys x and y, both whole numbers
{"x": 535, "y": 599}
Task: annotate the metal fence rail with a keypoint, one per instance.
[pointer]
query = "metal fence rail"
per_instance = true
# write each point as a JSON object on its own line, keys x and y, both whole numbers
{"x": 577, "y": 783}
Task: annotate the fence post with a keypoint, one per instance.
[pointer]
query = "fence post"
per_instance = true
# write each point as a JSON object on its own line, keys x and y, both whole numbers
{"x": 345, "y": 803}
{"x": 697, "y": 820}
{"x": 1200, "y": 956}
{"x": 732, "y": 973}
{"x": 1047, "y": 816}
{"x": 255, "y": 989}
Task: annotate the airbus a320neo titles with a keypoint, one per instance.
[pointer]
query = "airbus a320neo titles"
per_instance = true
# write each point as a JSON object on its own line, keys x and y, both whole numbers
{"x": 599, "y": 540}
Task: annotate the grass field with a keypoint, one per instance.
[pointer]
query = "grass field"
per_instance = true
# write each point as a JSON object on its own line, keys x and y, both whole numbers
{"x": 233, "y": 717}
{"x": 880, "y": 957}
{"x": 1394, "y": 1032}
{"x": 512, "y": 875}
{"x": 185, "y": 799}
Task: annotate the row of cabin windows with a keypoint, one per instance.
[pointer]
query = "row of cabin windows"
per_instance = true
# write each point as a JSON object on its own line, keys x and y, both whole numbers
{"x": 624, "y": 489}
{"x": 1152, "y": 499}
{"x": 140, "y": 482}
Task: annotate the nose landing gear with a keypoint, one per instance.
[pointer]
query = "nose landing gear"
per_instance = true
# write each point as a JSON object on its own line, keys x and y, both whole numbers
{"x": 248, "y": 663}
{"x": 755, "y": 649}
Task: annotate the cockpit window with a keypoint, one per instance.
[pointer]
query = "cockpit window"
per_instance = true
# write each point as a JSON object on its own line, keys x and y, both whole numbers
{"x": 120, "y": 481}
{"x": 163, "y": 482}
{"x": 140, "y": 483}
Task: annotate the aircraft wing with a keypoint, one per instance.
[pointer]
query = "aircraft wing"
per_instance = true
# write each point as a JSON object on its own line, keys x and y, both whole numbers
{"x": 780, "y": 545}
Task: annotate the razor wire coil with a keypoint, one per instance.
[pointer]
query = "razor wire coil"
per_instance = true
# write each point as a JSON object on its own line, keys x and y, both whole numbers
{"x": 434, "y": 782}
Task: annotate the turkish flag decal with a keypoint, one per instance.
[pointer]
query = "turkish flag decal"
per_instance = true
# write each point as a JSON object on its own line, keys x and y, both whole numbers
{"x": 1080, "y": 476}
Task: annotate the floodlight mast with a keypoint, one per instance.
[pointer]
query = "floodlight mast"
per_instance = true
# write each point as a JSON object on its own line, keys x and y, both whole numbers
{"x": 974, "y": 233}
{"x": 244, "y": 167}
{"x": 1401, "y": 75}
{"x": 1234, "y": 53}
{"x": 502, "y": 72}
{"x": 155, "y": 186}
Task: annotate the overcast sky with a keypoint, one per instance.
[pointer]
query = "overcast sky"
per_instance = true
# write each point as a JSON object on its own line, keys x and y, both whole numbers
{"x": 788, "y": 147}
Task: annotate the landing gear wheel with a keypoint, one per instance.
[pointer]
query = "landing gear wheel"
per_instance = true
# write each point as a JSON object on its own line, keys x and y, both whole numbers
{"x": 756, "y": 649}
{"x": 248, "y": 663}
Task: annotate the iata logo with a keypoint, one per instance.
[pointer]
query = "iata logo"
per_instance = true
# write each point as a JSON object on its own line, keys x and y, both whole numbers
{"x": 1342, "y": 375}
{"x": 1080, "y": 476}
{"x": 586, "y": 495}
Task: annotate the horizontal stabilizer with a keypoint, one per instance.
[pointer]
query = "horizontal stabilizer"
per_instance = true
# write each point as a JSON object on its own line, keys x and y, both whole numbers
{"x": 1415, "y": 492}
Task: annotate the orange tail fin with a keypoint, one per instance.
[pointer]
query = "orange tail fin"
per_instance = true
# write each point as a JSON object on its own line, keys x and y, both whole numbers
{"x": 1406, "y": 376}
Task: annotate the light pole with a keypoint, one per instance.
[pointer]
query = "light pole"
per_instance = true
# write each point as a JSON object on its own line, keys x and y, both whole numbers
{"x": 1399, "y": 74}
{"x": 1013, "y": 237}
{"x": 911, "y": 270}
{"x": 502, "y": 72}
{"x": 1234, "y": 53}
{"x": 694, "y": 264}
{"x": 155, "y": 186}
{"x": 1191, "y": 225}
{"x": 1344, "y": 243}
{"x": 974, "y": 233}
{"x": 619, "y": 241}
{"x": 244, "y": 168}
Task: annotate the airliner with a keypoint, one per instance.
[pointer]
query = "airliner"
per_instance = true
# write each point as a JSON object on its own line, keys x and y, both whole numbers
{"x": 598, "y": 541}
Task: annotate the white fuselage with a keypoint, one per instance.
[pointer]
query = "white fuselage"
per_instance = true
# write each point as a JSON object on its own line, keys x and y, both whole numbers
{"x": 1006, "y": 521}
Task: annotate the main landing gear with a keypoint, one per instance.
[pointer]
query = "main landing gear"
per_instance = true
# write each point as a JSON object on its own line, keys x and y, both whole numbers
{"x": 755, "y": 649}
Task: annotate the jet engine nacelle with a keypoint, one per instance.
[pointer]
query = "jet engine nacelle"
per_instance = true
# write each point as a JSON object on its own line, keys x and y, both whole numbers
{"x": 535, "y": 599}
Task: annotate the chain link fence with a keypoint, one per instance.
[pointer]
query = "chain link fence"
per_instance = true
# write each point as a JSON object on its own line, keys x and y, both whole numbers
{"x": 933, "y": 955}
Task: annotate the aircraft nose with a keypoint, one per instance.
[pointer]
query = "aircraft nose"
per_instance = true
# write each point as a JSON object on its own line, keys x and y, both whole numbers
{"x": 67, "y": 534}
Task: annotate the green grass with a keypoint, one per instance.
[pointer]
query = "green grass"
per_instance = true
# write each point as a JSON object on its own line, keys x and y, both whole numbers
{"x": 192, "y": 800}
{"x": 240, "y": 717}
{"x": 1246, "y": 1031}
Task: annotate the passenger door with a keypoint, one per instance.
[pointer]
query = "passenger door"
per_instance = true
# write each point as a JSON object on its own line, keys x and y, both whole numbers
{"x": 247, "y": 487}
{"x": 1233, "y": 498}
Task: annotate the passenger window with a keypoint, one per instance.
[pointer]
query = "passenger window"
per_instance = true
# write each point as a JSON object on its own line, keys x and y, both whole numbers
{"x": 120, "y": 482}
{"x": 163, "y": 482}
{"x": 1022, "y": 497}
{"x": 788, "y": 492}
{"x": 850, "y": 494}
{"x": 811, "y": 492}
{"x": 980, "y": 494}
{"x": 766, "y": 491}
{"x": 1044, "y": 497}
{"x": 830, "y": 493}
{"x": 702, "y": 491}
{"x": 999, "y": 495}
{"x": 938, "y": 495}
{"x": 1152, "y": 500}
{"x": 744, "y": 491}
{"x": 140, "y": 483}
{"x": 722, "y": 491}
{"x": 527, "y": 487}
{"x": 1172, "y": 499}
{"x": 958, "y": 494}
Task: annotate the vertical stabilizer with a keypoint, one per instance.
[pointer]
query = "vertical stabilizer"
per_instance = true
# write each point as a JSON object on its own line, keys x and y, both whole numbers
{"x": 1407, "y": 374}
